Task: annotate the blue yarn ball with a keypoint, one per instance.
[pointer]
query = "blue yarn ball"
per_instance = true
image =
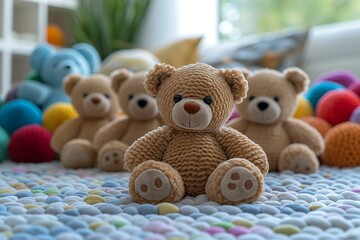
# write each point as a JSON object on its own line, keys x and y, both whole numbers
{"x": 4, "y": 142}
{"x": 319, "y": 89}
{"x": 18, "y": 113}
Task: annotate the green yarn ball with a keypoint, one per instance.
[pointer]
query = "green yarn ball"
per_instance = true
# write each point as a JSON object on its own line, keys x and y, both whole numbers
{"x": 4, "y": 142}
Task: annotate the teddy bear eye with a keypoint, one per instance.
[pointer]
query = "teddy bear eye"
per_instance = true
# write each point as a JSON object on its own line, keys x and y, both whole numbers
{"x": 130, "y": 97}
{"x": 85, "y": 95}
{"x": 251, "y": 98}
{"x": 276, "y": 98}
{"x": 177, "y": 98}
{"x": 208, "y": 100}
{"x": 107, "y": 95}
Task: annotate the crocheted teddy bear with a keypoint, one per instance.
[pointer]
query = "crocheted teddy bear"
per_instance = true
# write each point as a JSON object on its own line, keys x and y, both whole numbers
{"x": 53, "y": 66}
{"x": 194, "y": 153}
{"x": 266, "y": 118}
{"x": 97, "y": 105}
{"x": 112, "y": 140}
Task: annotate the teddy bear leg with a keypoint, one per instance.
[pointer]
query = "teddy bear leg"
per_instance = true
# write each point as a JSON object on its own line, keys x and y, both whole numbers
{"x": 298, "y": 158}
{"x": 235, "y": 181}
{"x": 78, "y": 153}
{"x": 111, "y": 156}
{"x": 155, "y": 182}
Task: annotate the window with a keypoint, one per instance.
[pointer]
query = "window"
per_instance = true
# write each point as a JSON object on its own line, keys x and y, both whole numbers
{"x": 246, "y": 17}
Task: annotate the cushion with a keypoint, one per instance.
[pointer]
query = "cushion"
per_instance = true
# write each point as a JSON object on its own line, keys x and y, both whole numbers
{"x": 180, "y": 53}
{"x": 277, "y": 50}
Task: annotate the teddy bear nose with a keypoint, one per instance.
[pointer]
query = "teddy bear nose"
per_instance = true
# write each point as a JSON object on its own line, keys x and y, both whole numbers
{"x": 262, "y": 106}
{"x": 142, "y": 103}
{"x": 95, "y": 100}
{"x": 191, "y": 107}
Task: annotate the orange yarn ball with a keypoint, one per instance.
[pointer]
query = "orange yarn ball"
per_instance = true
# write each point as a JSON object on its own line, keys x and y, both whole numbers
{"x": 342, "y": 145}
{"x": 55, "y": 35}
{"x": 318, "y": 123}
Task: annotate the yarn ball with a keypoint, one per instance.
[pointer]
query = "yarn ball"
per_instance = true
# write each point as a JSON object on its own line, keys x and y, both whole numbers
{"x": 318, "y": 123}
{"x": 355, "y": 116}
{"x": 337, "y": 106}
{"x": 304, "y": 108}
{"x": 55, "y": 35}
{"x": 11, "y": 94}
{"x": 57, "y": 114}
{"x": 18, "y": 113}
{"x": 342, "y": 145}
{"x": 234, "y": 115}
{"x": 355, "y": 87}
{"x": 318, "y": 90}
{"x": 31, "y": 144}
{"x": 343, "y": 77}
{"x": 4, "y": 141}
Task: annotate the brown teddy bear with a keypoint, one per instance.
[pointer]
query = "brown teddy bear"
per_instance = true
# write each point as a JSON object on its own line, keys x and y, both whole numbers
{"x": 194, "y": 153}
{"x": 266, "y": 118}
{"x": 112, "y": 140}
{"x": 97, "y": 105}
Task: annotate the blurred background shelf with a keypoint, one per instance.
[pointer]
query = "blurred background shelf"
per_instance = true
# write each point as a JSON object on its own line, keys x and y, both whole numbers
{"x": 23, "y": 25}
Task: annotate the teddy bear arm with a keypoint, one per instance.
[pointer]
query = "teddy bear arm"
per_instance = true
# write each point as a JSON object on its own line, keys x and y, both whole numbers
{"x": 238, "y": 124}
{"x": 115, "y": 130}
{"x": 64, "y": 133}
{"x": 35, "y": 92}
{"x": 151, "y": 146}
{"x": 237, "y": 145}
{"x": 300, "y": 132}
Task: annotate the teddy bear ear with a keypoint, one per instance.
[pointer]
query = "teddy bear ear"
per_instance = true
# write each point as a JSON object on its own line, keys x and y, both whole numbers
{"x": 298, "y": 78}
{"x": 40, "y": 54}
{"x": 90, "y": 54}
{"x": 118, "y": 77}
{"x": 156, "y": 76}
{"x": 237, "y": 82}
{"x": 70, "y": 82}
{"x": 246, "y": 72}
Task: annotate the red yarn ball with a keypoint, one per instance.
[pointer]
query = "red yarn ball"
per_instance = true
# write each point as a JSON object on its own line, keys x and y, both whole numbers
{"x": 337, "y": 106}
{"x": 31, "y": 144}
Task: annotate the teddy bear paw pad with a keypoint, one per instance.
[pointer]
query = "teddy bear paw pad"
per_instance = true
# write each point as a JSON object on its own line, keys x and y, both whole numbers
{"x": 302, "y": 164}
{"x": 238, "y": 184}
{"x": 111, "y": 160}
{"x": 153, "y": 185}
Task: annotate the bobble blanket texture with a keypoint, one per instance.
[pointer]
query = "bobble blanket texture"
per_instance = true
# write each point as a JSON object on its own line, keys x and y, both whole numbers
{"x": 194, "y": 153}
{"x": 266, "y": 119}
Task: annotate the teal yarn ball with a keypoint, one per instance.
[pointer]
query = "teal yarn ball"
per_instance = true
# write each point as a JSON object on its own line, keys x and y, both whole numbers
{"x": 4, "y": 142}
{"x": 318, "y": 90}
{"x": 18, "y": 113}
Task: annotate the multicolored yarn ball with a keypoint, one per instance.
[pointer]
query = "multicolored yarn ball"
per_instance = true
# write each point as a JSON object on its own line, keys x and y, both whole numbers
{"x": 31, "y": 144}
{"x": 337, "y": 106}
{"x": 342, "y": 145}
{"x": 318, "y": 90}
{"x": 4, "y": 142}
{"x": 304, "y": 108}
{"x": 343, "y": 77}
{"x": 355, "y": 87}
{"x": 57, "y": 114}
{"x": 318, "y": 123}
{"x": 18, "y": 113}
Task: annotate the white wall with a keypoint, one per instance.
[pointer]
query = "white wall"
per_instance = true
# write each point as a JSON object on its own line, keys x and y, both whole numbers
{"x": 171, "y": 20}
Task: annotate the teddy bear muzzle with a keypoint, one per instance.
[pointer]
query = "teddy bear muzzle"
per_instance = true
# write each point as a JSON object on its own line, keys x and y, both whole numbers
{"x": 143, "y": 107}
{"x": 191, "y": 114}
{"x": 97, "y": 104}
{"x": 263, "y": 110}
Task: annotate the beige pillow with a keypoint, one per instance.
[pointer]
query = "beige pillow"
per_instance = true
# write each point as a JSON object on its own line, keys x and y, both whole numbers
{"x": 180, "y": 53}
